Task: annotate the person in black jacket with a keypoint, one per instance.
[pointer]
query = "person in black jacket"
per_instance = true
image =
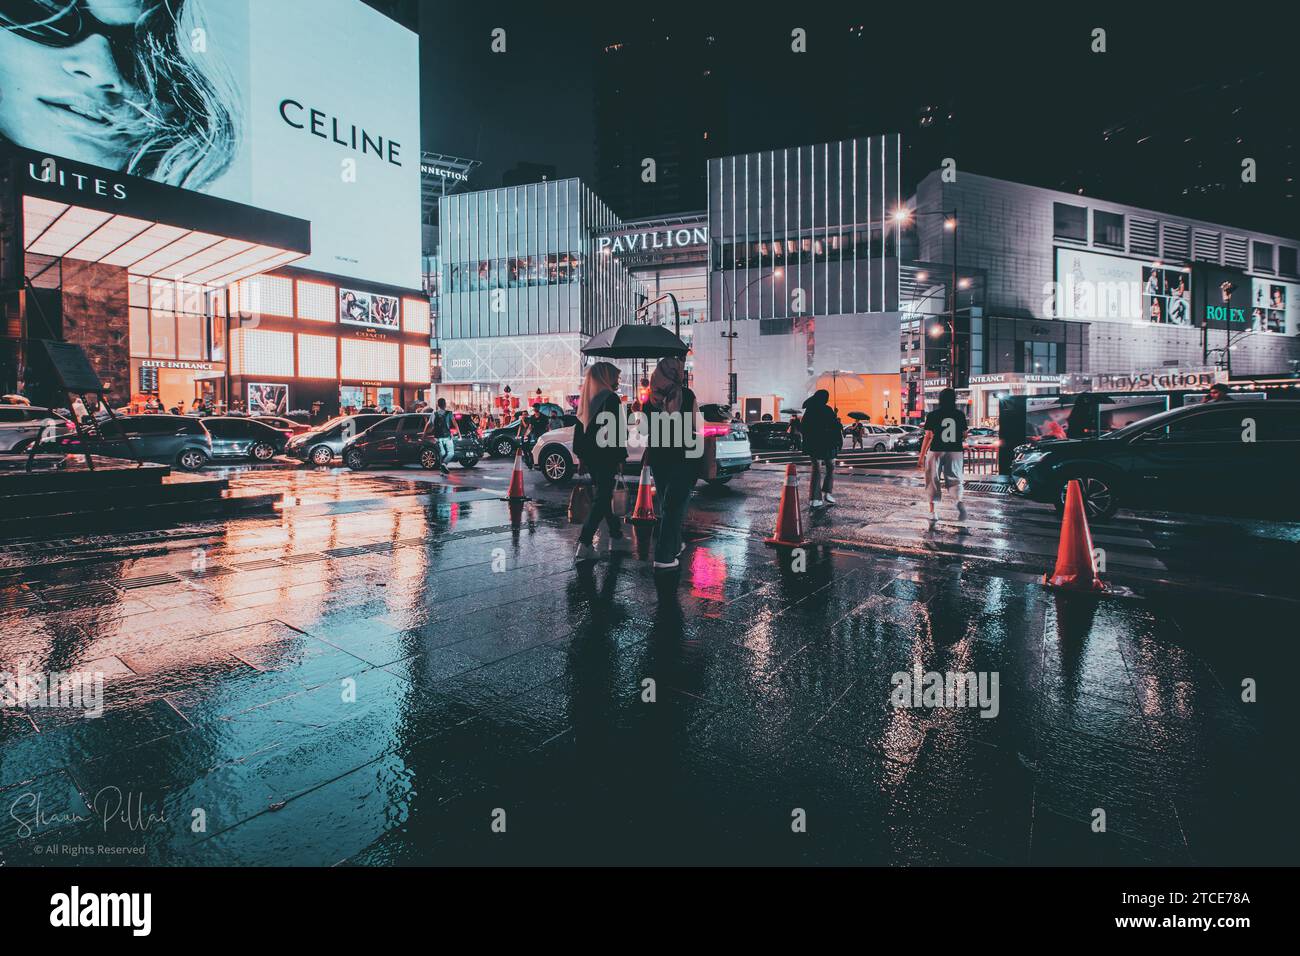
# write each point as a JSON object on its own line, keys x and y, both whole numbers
{"x": 598, "y": 440}
{"x": 822, "y": 440}
{"x": 671, "y": 413}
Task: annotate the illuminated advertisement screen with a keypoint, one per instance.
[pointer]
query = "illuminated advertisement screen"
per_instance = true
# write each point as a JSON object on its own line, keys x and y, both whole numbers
{"x": 1095, "y": 287}
{"x": 369, "y": 309}
{"x": 309, "y": 108}
{"x": 267, "y": 399}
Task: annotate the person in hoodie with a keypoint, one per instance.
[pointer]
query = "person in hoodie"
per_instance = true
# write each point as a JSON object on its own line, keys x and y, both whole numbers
{"x": 822, "y": 441}
{"x": 598, "y": 439}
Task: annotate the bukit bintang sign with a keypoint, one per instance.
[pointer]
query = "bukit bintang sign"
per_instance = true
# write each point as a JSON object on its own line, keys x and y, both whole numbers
{"x": 650, "y": 241}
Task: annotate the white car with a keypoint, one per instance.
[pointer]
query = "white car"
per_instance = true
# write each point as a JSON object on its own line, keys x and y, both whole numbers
{"x": 21, "y": 425}
{"x": 554, "y": 457}
{"x": 982, "y": 438}
{"x": 874, "y": 438}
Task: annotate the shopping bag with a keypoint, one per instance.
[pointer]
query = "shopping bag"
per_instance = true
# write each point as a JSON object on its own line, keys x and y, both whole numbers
{"x": 618, "y": 504}
{"x": 579, "y": 504}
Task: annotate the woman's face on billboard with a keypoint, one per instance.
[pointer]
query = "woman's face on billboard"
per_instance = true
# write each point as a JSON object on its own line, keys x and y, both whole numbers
{"x": 61, "y": 90}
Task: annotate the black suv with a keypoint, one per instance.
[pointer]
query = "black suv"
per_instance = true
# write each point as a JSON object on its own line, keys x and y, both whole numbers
{"x": 408, "y": 439}
{"x": 1230, "y": 457}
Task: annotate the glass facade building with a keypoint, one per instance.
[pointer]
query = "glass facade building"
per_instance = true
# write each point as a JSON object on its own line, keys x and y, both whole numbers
{"x": 521, "y": 260}
{"x": 805, "y": 231}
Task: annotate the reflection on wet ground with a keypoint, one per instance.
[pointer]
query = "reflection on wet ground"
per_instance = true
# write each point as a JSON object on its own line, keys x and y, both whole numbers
{"x": 393, "y": 671}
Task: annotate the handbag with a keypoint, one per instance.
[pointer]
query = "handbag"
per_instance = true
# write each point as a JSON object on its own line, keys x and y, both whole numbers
{"x": 579, "y": 504}
{"x": 618, "y": 503}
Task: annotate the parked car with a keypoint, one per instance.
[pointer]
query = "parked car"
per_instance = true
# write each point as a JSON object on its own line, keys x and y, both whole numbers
{"x": 408, "y": 439}
{"x": 244, "y": 438}
{"x": 166, "y": 439}
{"x": 502, "y": 441}
{"x": 21, "y": 425}
{"x": 982, "y": 438}
{"x": 322, "y": 444}
{"x": 286, "y": 425}
{"x": 910, "y": 442}
{"x": 773, "y": 436}
{"x": 1232, "y": 457}
{"x": 557, "y": 462}
{"x": 874, "y": 438}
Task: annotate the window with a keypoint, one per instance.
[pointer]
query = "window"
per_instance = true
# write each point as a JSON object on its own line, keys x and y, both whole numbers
{"x": 368, "y": 360}
{"x": 1108, "y": 229}
{"x": 317, "y": 356}
{"x": 162, "y": 334}
{"x": 415, "y": 364}
{"x": 1286, "y": 260}
{"x": 1217, "y": 425}
{"x": 189, "y": 337}
{"x": 1069, "y": 222}
{"x": 1262, "y": 256}
{"x": 316, "y": 301}
{"x": 415, "y": 315}
{"x": 261, "y": 352}
{"x": 139, "y": 331}
{"x": 266, "y": 295}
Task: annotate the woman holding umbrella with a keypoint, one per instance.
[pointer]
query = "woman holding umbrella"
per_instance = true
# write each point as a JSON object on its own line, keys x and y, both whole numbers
{"x": 674, "y": 473}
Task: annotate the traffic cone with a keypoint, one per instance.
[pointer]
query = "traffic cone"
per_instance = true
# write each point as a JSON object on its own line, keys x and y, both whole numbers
{"x": 643, "y": 512}
{"x": 516, "y": 490}
{"x": 789, "y": 522}
{"x": 1074, "y": 567}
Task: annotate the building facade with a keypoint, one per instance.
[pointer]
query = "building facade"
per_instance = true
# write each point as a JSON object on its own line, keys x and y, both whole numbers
{"x": 523, "y": 286}
{"x": 804, "y": 252}
{"x": 284, "y": 274}
{"x": 1063, "y": 285}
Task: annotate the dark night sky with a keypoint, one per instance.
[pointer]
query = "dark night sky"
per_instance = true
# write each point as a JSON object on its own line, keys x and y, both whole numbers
{"x": 1186, "y": 96}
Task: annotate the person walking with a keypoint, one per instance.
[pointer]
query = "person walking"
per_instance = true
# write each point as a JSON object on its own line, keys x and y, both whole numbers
{"x": 941, "y": 450}
{"x": 858, "y": 431}
{"x": 602, "y": 451}
{"x": 823, "y": 438}
{"x": 674, "y": 471}
{"x": 443, "y": 423}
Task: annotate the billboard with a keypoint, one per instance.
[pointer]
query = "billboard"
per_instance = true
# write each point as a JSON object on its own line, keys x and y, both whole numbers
{"x": 1096, "y": 287}
{"x": 369, "y": 309}
{"x": 236, "y": 99}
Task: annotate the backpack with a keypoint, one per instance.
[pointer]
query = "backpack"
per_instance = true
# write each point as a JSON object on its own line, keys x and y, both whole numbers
{"x": 442, "y": 424}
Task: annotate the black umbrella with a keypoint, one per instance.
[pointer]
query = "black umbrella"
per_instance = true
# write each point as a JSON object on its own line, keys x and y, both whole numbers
{"x": 792, "y": 411}
{"x": 635, "y": 341}
{"x": 860, "y": 416}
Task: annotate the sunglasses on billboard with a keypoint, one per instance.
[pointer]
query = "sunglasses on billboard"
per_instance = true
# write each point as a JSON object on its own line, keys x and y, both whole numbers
{"x": 60, "y": 23}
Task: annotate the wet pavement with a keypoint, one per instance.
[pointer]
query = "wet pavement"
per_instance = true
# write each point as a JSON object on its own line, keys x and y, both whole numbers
{"x": 396, "y": 668}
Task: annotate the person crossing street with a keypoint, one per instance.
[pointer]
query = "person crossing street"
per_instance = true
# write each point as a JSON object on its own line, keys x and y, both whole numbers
{"x": 443, "y": 423}
{"x": 823, "y": 439}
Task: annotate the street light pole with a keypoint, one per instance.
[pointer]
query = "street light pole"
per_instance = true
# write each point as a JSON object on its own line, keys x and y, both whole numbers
{"x": 952, "y": 310}
{"x": 731, "y": 333}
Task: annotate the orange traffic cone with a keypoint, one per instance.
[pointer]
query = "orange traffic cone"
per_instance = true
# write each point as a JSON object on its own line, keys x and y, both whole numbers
{"x": 1074, "y": 567}
{"x": 789, "y": 522}
{"x": 643, "y": 512}
{"x": 516, "y": 490}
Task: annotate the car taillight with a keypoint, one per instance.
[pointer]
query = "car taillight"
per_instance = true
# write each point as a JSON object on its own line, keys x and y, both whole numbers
{"x": 714, "y": 430}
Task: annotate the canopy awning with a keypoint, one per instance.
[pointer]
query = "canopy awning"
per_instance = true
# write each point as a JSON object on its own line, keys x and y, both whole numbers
{"x": 144, "y": 247}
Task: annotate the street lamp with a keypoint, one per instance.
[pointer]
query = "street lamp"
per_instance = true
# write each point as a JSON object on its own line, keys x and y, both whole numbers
{"x": 901, "y": 215}
{"x": 731, "y": 333}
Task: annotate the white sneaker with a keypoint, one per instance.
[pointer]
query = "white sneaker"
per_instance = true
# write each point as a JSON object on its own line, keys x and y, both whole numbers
{"x": 585, "y": 552}
{"x": 667, "y": 566}
{"x": 830, "y": 499}
{"x": 619, "y": 545}
{"x": 961, "y": 511}
{"x": 816, "y": 503}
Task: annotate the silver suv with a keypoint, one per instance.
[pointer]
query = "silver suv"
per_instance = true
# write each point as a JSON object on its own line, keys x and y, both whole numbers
{"x": 21, "y": 425}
